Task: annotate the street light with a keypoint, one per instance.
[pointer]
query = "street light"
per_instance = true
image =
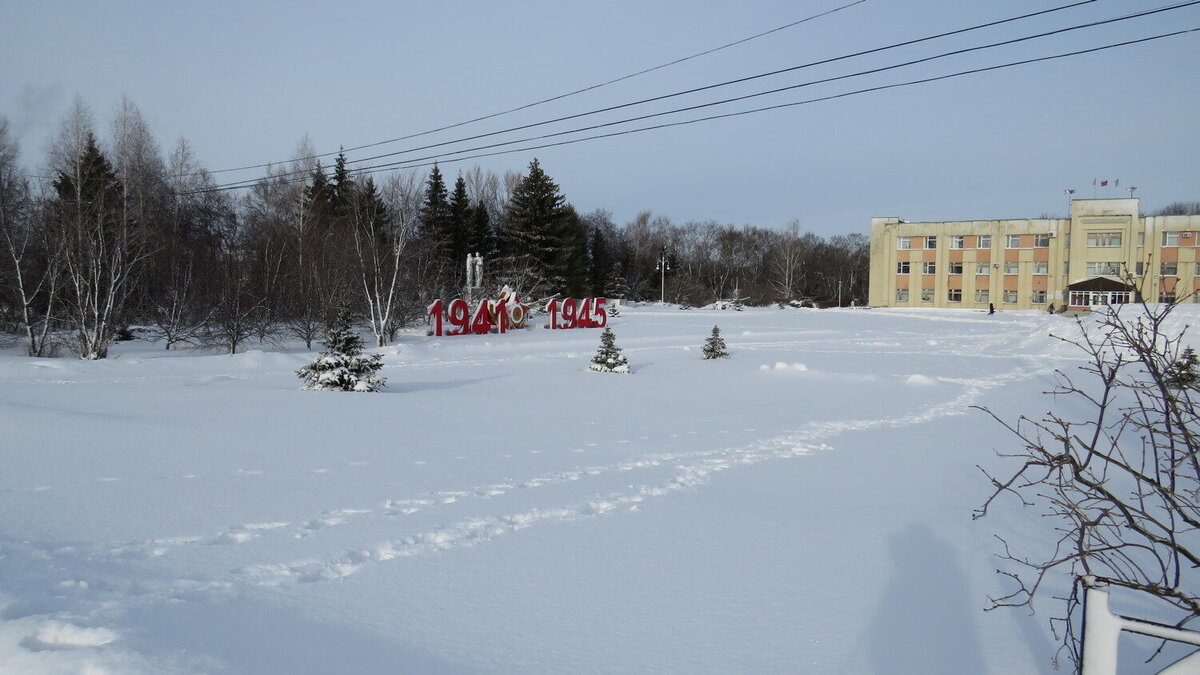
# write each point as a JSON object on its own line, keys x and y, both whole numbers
{"x": 1131, "y": 191}
{"x": 662, "y": 266}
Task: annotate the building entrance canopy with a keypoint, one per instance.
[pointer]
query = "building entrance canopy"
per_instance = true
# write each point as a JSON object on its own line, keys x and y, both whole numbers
{"x": 1098, "y": 292}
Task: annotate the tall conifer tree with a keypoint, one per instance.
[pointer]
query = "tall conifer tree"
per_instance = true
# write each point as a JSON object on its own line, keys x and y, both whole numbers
{"x": 535, "y": 223}
{"x": 435, "y": 212}
{"x": 459, "y": 210}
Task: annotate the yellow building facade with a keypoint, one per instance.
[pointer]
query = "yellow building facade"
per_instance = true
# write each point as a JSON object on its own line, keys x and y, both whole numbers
{"x": 1083, "y": 261}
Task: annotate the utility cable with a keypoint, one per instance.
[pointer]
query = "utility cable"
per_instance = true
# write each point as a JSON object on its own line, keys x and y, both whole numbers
{"x": 567, "y": 94}
{"x": 711, "y": 86}
{"x": 831, "y": 97}
{"x": 737, "y": 98}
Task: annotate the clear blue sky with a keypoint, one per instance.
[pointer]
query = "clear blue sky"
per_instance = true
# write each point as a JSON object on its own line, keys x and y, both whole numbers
{"x": 243, "y": 81}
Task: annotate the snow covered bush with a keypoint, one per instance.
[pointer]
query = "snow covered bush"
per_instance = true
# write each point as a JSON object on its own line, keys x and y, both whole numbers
{"x": 714, "y": 346}
{"x": 608, "y": 358}
{"x": 343, "y": 366}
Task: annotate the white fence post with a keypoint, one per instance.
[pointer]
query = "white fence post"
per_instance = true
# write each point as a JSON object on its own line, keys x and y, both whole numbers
{"x": 1102, "y": 629}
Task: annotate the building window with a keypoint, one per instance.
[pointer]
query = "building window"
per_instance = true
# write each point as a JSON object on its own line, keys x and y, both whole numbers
{"x": 985, "y": 241}
{"x": 1104, "y": 269}
{"x": 954, "y": 295}
{"x": 1140, "y": 269}
{"x": 1170, "y": 239}
{"x": 956, "y": 268}
{"x": 1010, "y": 297}
{"x": 1103, "y": 239}
{"x": 1066, "y": 268}
{"x": 1169, "y": 269}
{"x": 1098, "y": 298}
{"x": 1012, "y": 241}
{"x": 926, "y": 295}
{"x": 981, "y": 296}
{"x": 1067, "y": 241}
{"x": 983, "y": 268}
{"x": 1166, "y": 296}
{"x": 1039, "y": 297}
{"x": 1141, "y": 239}
{"x": 901, "y": 295}
{"x": 929, "y": 267}
{"x": 1041, "y": 241}
{"x": 903, "y": 242}
{"x": 957, "y": 241}
{"x": 1012, "y": 267}
{"x": 902, "y": 267}
{"x": 931, "y": 241}
{"x": 1041, "y": 267}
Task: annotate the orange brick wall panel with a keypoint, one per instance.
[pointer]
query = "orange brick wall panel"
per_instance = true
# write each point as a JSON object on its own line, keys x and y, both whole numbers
{"x": 1010, "y": 282}
{"x": 981, "y": 281}
{"x": 1041, "y": 282}
{"x": 1042, "y": 254}
{"x": 1170, "y": 254}
{"x": 983, "y": 256}
{"x": 954, "y": 281}
{"x": 1011, "y": 254}
{"x": 956, "y": 255}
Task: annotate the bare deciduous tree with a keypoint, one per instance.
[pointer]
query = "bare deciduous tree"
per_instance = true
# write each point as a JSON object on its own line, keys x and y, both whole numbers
{"x": 1121, "y": 482}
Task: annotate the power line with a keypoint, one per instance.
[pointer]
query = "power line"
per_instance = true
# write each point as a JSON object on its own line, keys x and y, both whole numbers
{"x": 956, "y": 52}
{"x": 569, "y": 93}
{"x": 706, "y": 87}
{"x": 791, "y": 87}
{"x": 831, "y": 97}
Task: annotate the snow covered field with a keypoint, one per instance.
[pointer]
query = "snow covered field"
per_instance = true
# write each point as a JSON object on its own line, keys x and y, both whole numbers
{"x": 804, "y": 506}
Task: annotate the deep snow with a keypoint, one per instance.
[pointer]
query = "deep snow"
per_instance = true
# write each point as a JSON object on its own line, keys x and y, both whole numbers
{"x": 803, "y": 506}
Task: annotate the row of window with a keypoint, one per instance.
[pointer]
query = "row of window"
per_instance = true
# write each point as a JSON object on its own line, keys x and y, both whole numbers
{"x": 1094, "y": 269}
{"x": 1113, "y": 269}
{"x": 1094, "y": 240}
{"x": 982, "y": 241}
{"x": 981, "y": 296}
{"x": 1010, "y": 267}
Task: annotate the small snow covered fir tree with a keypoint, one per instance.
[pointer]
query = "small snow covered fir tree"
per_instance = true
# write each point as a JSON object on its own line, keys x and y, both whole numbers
{"x": 343, "y": 366}
{"x": 714, "y": 346}
{"x": 1184, "y": 373}
{"x": 608, "y": 358}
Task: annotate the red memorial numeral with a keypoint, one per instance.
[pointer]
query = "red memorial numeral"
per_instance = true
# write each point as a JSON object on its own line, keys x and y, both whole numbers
{"x": 482, "y": 323}
{"x": 435, "y": 311}
{"x": 600, "y": 312}
{"x": 459, "y": 316}
{"x": 501, "y": 315}
{"x": 570, "y": 313}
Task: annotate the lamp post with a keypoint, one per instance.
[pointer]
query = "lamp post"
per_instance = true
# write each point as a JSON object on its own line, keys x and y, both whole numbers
{"x": 1131, "y": 191}
{"x": 1069, "y": 192}
{"x": 662, "y": 267}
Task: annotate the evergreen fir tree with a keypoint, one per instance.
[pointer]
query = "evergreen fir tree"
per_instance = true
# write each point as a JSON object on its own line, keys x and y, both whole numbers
{"x": 435, "y": 212}
{"x": 535, "y": 222}
{"x": 459, "y": 210}
{"x": 342, "y": 366}
{"x": 318, "y": 197}
{"x": 570, "y": 266}
{"x": 1184, "y": 373}
{"x": 600, "y": 264}
{"x": 714, "y": 346}
{"x": 608, "y": 358}
{"x": 479, "y": 232}
{"x": 342, "y": 189}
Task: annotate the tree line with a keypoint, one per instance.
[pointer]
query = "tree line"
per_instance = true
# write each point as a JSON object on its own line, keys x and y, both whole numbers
{"x": 115, "y": 233}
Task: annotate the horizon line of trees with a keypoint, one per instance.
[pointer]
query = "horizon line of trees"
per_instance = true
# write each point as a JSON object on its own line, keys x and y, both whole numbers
{"x": 120, "y": 234}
